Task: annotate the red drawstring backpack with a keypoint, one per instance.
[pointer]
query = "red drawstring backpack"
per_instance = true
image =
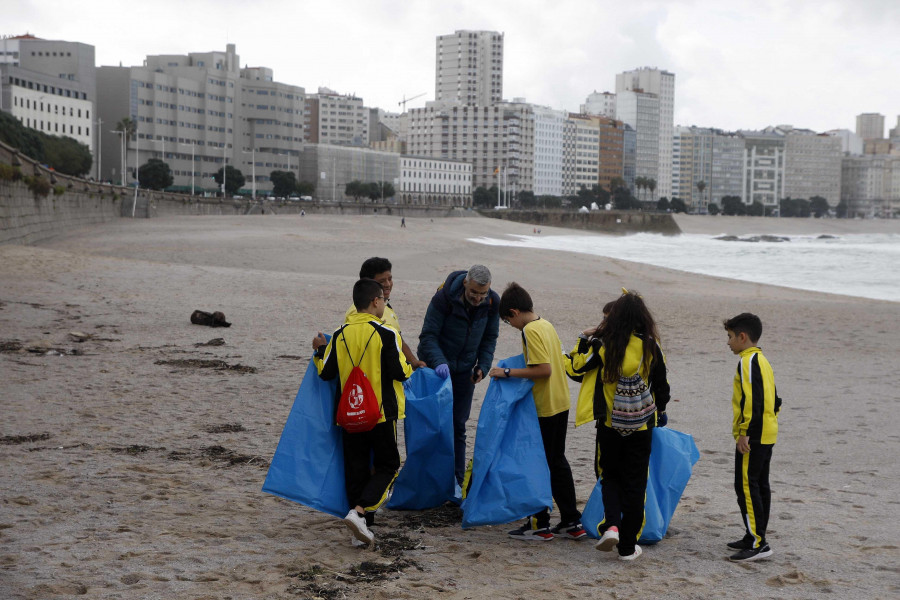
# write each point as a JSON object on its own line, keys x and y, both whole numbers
{"x": 358, "y": 409}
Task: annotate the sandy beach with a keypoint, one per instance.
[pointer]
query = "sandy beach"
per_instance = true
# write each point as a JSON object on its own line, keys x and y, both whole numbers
{"x": 133, "y": 459}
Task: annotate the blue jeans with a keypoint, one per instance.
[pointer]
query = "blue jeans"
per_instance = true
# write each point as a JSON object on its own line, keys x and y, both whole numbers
{"x": 463, "y": 388}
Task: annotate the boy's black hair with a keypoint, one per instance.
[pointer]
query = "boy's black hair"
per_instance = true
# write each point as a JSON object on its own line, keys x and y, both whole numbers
{"x": 373, "y": 266}
{"x": 514, "y": 298}
{"x": 745, "y": 323}
{"x": 364, "y": 291}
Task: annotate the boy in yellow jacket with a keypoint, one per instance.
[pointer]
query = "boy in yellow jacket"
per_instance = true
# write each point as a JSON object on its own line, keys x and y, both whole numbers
{"x": 365, "y": 340}
{"x": 755, "y": 404}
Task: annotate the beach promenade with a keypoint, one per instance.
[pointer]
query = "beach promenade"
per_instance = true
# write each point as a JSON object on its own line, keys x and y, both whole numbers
{"x": 132, "y": 460}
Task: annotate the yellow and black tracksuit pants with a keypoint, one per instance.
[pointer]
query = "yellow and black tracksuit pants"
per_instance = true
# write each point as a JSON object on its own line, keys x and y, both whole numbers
{"x": 371, "y": 463}
{"x": 751, "y": 484}
{"x": 623, "y": 463}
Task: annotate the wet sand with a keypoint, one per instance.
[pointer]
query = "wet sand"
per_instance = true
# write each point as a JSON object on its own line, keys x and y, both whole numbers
{"x": 133, "y": 460}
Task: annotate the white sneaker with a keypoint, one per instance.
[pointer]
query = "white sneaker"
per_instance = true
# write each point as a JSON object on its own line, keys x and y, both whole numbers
{"x": 357, "y": 526}
{"x": 357, "y": 543}
{"x": 637, "y": 552}
{"x": 609, "y": 539}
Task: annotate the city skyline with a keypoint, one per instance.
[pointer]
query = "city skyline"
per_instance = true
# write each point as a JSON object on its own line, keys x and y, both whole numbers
{"x": 741, "y": 66}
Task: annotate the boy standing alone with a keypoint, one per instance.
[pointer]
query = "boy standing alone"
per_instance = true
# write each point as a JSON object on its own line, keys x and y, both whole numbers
{"x": 371, "y": 458}
{"x": 755, "y": 404}
{"x": 544, "y": 360}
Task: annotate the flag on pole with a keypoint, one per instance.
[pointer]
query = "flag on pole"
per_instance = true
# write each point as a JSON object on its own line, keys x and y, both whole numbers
{"x": 497, "y": 170}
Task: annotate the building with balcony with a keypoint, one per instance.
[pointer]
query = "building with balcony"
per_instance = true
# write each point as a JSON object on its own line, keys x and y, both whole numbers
{"x": 333, "y": 118}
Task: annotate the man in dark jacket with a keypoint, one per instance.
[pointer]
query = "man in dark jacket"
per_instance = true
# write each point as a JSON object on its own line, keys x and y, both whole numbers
{"x": 458, "y": 340}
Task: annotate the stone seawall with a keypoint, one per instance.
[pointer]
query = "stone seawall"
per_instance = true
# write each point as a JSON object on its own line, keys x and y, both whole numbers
{"x": 612, "y": 221}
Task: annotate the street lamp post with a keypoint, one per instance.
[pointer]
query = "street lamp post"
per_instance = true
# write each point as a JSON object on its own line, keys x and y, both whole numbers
{"x": 192, "y": 164}
{"x": 99, "y": 130}
{"x": 137, "y": 178}
{"x": 122, "y": 140}
{"x": 252, "y": 154}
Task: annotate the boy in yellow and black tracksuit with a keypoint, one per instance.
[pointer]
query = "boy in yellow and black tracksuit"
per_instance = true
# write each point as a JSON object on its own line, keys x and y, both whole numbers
{"x": 755, "y": 406}
{"x": 371, "y": 458}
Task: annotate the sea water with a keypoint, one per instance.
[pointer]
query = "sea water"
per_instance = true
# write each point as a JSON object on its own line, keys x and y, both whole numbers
{"x": 865, "y": 265}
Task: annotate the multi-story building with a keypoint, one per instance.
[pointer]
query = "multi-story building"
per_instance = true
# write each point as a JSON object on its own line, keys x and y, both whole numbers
{"x": 707, "y": 166}
{"x": 763, "y": 168}
{"x": 629, "y": 155}
{"x": 49, "y": 85}
{"x": 812, "y": 165}
{"x": 600, "y": 103}
{"x": 582, "y": 153}
{"x": 851, "y": 143}
{"x": 727, "y": 168}
{"x": 497, "y": 140}
{"x": 894, "y": 134}
{"x": 469, "y": 68}
{"x": 425, "y": 180}
{"x": 641, "y": 111}
{"x": 662, "y": 84}
{"x": 198, "y": 112}
{"x": 333, "y": 118}
{"x": 870, "y": 185}
{"x": 870, "y": 126}
{"x": 333, "y": 166}
{"x": 549, "y": 128}
{"x": 612, "y": 148}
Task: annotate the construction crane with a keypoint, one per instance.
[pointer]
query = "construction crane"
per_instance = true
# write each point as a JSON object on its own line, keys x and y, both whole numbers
{"x": 405, "y": 100}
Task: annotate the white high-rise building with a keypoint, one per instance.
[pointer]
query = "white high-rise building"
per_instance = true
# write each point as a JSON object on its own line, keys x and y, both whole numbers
{"x": 600, "y": 103}
{"x": 469, "y": 68}
{"x": 333, "y": 118}
{"x": 549, "y": 126}
{"x": 641, "y": 111}
{"x": 870, "y": 126}
{"x": 662, "y": 84}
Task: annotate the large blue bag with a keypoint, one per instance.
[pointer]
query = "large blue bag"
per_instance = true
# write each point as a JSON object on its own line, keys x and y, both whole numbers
{"x": 426, "y": 479}
{"x": 510, "y": 479}
{"x": 308, "y": 466}
{"x": 672, "y": 456}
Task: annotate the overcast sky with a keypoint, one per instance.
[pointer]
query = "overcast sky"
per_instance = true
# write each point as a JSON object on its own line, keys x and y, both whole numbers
{"x": 738, "y": 64}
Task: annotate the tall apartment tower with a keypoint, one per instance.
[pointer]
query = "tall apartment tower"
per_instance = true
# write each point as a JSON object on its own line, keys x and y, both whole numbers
{"x": 870, "y": 126}
{"x": 469, "y": 68}
{"x": 662, "y": 83}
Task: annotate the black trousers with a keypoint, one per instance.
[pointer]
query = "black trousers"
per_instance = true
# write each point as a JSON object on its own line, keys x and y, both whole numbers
{"x": 371, "y": 462}
{"x": 623, "y": 463}
{"x": 553, "y": 434}
{"x": 754, "y": 496}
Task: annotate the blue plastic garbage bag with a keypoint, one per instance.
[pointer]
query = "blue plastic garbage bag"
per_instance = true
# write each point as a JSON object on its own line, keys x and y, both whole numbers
{"x": 510, "y": 478}
{"x": 672, "y": 456}
{"x": 426, "y": 479}
{"x": 308, "y": 466}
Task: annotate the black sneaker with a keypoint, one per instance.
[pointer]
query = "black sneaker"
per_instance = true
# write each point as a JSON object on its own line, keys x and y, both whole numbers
{"x": 752, "y": 554}
{"x": 745, "y": 543}
{"x": 527, "y": 533}
{"x": 572, "y": 531}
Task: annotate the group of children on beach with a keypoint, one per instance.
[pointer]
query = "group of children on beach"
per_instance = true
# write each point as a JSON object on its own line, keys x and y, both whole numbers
{"x": 623, "y": 387}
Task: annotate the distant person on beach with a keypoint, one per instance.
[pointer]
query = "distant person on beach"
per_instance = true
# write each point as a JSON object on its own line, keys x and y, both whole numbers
{"x": 458, "y": 339}
{"x": 623, "y": 357}
{"x": 379, "y": 269}
{"x": 371, "y": 458}
{"x": 545, "y": 367}
{"x": 402, "y": 221}
{"x": 755, "y": 405}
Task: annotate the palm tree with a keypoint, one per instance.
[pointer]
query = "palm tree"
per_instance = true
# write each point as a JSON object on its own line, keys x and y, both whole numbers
{"x": 640, "y": 183}
{"x": 701, "y": 185}
{"x": 651, "y": 184}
